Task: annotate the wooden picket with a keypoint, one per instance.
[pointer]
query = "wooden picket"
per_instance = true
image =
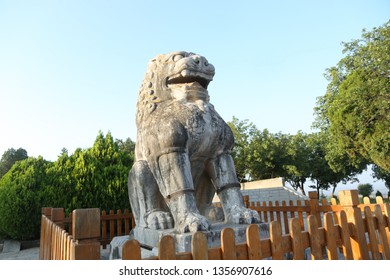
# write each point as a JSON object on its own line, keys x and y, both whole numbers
{"x": 296, "y": 240}
{"x": 345, "y": 236}
{"x": 314, "y": 238}
{"x": 253, "y": 242}
{"x": 199, "y": 246}
{"x": 331, "y": 237}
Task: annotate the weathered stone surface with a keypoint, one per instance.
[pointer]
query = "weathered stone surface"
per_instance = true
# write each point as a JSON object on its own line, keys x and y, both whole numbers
{"x": 183, "y": 151}
{"x": 11, "y": 246}
{"x": 116, "y": 246}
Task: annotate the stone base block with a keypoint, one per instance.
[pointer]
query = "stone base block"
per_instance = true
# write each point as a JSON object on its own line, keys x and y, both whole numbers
{"x": 11, "y": 246}
{"x": 116, "y": 246}
{"x": 150, "y": 237}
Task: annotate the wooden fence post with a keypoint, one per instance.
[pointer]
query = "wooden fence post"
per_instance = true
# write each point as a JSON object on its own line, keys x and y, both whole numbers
{"x": 314, "y": 207}
{"x": 86, "y": 234}
{"x": 58, "y": 216}
{"x": 350, "y": 200}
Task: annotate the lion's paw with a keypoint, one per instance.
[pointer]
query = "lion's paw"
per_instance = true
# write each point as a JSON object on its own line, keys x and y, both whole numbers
{"x": 214, "y": 213}
{"x": 242, "y": 215}
{"x": 192, "y": 222}
{"x": 159, "y": 220}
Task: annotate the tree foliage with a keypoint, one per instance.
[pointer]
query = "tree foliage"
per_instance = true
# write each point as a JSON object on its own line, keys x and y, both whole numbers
{"x": 355, "y": 109}
{"x": 22, "y": 197}
{"x": 297, "y": 158}
{"x": 243, "y": 132}
{"x": 268, "y": 157}
{"x": 298, "y": 169}
{"x": 365, "y": 189}
{"x": 321, "y": 171}
{"x": 93, "y": 177}
{"x": 381, "y": 174}
{"x": 9, "y": 157}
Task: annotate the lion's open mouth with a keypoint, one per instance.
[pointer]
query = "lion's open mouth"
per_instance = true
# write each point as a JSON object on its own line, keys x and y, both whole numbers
{"x": 189, "y": 77}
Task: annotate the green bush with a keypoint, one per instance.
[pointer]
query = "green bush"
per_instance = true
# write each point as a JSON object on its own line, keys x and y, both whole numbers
{"x": 21, "y": 199}
{"x": 91, "y": 178}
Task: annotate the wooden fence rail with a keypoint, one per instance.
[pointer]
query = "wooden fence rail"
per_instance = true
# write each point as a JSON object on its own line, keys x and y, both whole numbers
{"x": 304, "y": 231}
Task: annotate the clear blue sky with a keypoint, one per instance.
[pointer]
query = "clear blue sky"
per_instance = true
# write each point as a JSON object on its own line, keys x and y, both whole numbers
{"x": 71, "y": 68}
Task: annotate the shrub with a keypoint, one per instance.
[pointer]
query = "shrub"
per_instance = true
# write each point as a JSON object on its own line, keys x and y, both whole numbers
{"x": 21, "y": 199}
{"x": 94, "y": 177}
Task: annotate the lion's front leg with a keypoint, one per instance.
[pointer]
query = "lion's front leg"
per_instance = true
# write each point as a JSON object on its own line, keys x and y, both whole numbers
{"x": 147, "y": 203}
{"x": 223, "y": 174}
{"x": 178, "y": 190}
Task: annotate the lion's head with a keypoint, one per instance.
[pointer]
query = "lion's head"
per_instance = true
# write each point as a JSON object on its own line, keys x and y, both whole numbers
{"x": 176, "y": 75}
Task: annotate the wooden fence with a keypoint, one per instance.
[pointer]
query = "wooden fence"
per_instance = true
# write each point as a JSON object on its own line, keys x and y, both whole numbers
{"x": 311, "y": 231}
{"x": 282, "y": 212}
{"x": 57, "y": 244}
{"x": 115, "y": 224}
{"x": 61, "y": 237}
{"x": 350, "y": 231}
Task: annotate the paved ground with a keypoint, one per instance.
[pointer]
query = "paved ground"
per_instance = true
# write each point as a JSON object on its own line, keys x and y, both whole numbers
{"x": 26, "y": 254}
{"x": 14, "y": 250}
{"x": 28, "y": 251}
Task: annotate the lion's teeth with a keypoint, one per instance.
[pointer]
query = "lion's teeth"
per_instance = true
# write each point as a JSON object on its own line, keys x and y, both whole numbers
{"x": 185, "y": 73}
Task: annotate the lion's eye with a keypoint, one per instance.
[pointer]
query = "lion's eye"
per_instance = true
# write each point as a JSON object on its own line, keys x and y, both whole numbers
{"x": 177, "y": 57}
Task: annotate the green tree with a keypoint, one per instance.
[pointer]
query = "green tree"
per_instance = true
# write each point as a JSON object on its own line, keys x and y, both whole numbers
{"x": 381, "y": 174}
{"x": 378, "y": 193}
{"x": 258, "y": 154}
{"x": 22, "y": 197}
{"x": 355, "y": 109}
{"x": 268, "y": 157}
{"x": 9, "y": 158}
{"x": 321, "y": 172}
{"x": 99, "y": 175}
{"x": 127, "y": 149}
{"x": 365, "y": 189}
{"x": 93, "y": 177}
{"x": 298, "y": 169}
{"x": 243, "y": 132}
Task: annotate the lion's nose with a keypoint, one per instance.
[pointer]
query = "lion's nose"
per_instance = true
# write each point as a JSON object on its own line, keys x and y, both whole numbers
{"x": 200, "y": 60}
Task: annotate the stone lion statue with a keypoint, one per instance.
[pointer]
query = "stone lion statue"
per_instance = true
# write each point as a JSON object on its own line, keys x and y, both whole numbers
{"x": 183, "y": 150}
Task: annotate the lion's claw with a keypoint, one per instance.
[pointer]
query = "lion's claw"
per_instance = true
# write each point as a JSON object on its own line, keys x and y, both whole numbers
{"x": 193, "y": 222}
{"x": 159, "y": 220}
{"x": 242, "y": 215}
